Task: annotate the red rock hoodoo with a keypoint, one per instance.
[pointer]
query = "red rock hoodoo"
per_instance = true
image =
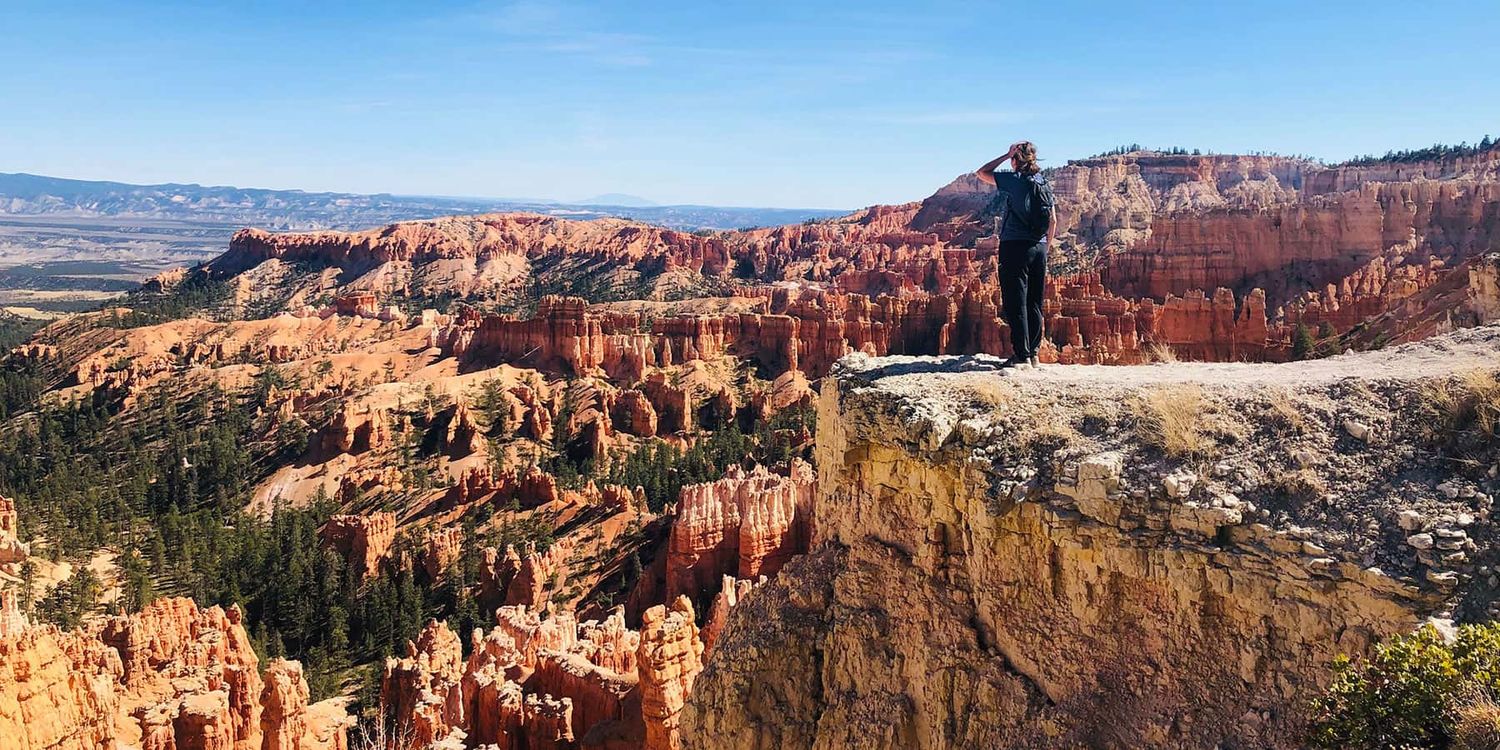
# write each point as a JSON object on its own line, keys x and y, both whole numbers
{"x": 746, "y": 525}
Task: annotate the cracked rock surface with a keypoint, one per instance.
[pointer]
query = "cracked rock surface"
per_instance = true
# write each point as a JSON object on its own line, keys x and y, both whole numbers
{"x": 1029, "y": 560}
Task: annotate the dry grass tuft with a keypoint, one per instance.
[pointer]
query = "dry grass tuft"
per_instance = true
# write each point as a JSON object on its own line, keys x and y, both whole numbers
{"x": 1045, "y": 423}
{"x": 1283, "y": 413}
{"x": 1160, "y": 353}
{"x": 1476, "y": 721}
{"x": 992, "y": 395}
{"x": 1302, "y": 486}
{"x": 1469, "y": 401}
{"x": 1054, "y": 426}
{"x": 1173, "y": 419}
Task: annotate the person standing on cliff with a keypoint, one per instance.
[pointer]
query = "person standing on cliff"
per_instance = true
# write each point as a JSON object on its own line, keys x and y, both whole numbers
{"x": 1028, "y": 222}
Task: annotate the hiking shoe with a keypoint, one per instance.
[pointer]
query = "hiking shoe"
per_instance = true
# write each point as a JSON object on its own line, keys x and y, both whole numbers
{"x": 1034, "y": 363}
{"x": 1017, "y": 363}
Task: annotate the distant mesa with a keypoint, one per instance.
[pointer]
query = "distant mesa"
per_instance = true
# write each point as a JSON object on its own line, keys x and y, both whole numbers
{"x": 618, "y": 199}
{"x": 223, "y": 208}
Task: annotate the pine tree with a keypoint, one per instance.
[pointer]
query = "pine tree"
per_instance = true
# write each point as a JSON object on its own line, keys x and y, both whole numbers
{"x": 633, "y": 570}
{"x": 408, "y": 614}
{"x": 138, "y": 589}
{"x": 28, "y": 585}
{"x": 1303, "y": 343}
{"x": 496, "y": 407}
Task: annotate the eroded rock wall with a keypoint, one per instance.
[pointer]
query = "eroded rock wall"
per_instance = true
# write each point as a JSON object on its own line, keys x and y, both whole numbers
{"x": 529, "y": 682}
{"x": 745, "y": 525}
{"x": 172, "y": 676}
{"x": 969, "y": 595}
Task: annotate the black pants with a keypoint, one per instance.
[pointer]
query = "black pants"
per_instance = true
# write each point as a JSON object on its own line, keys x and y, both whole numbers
{"x": 1023, "y": 275}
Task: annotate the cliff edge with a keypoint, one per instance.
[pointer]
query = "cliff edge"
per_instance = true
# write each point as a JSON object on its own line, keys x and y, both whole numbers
{"x": 1165, "y": 555}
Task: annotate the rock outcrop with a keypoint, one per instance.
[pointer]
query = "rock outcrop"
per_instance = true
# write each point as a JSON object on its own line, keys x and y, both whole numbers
{"x": 441, "y": 549}
{"x": 284, "y": 706}
{"x": 462, "y": 435}
{"x": 12, "y": 619}
{"x": 364, "y": 541}
{"x": 58, "y": 690}
{"x": 12, "y": 550}
{"x": 355, "y": 429}
{"x": 1013, "y": 561}
{"x": 527, "y": 683}
{"x": 731, "y": 592}
{"x": 174, "y": 676}
{"x": 669, "y": 659}
{"x": 746, "y": 525}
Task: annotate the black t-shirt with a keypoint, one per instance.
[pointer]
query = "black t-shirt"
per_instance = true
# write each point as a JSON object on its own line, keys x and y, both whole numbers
{"x": 1011, "y": 191}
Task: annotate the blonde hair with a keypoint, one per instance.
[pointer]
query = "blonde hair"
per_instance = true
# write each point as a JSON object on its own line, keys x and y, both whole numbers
{"x": 1024, "y": 160}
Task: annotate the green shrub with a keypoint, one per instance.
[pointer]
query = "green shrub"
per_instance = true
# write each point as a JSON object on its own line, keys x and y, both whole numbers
{"x": 1415, "y": 691}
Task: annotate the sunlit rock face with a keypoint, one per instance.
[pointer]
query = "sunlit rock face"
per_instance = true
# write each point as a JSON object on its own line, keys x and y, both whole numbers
{"x": 746, "y": 525}
{"x": 172, "y": 676}
{"x": 1013, "y": 561}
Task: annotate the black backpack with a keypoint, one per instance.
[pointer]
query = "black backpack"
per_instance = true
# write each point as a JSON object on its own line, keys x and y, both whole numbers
{"x": 1036, "y": 211}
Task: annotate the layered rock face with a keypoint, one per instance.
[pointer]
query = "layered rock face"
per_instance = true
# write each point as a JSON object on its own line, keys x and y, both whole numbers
{"x": 1009, "y": 562}
{"x": 496, "y": 236}
{"x": 1171, "y": 225}
{"x": 1086, "y": 322}
{"x": 670, "y": 658}
{"x": 172, "y": 677}
{"x": 12, "y": 550}
{"x": 746, "y": 525}
{"x": 1326, "y": 240}
{"x": 364, "y": 541}
{"x": 527, "y": 683}
{"x": 553, "y": 682}
{"x": 58, "y": 690}
{"x": 1207, "y": 238}
{"x": 806, "y": 331}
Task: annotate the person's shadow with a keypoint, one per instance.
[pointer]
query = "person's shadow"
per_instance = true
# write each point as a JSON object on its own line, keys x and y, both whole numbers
{"x": 926, "y": 365}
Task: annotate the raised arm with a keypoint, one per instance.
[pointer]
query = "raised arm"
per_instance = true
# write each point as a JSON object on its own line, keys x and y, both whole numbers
{"x": 987, "y": 172}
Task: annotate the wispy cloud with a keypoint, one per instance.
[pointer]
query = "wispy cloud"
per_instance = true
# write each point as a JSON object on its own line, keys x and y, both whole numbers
{"x": 967, "y": 117}
{"x": 359, "y": 107}
{"x": 563, "y": 28}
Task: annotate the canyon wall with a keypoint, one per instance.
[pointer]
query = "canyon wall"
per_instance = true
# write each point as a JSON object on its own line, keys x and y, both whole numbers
{"x": 809, "y": 330}
{"x": 1142, "y": 231}
{"x": 1290, "y": 248}
{"x": 1008, "y": 562}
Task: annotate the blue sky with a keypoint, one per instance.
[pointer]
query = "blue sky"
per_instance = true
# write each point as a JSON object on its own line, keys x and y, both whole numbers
{"x": 808, "y": 104}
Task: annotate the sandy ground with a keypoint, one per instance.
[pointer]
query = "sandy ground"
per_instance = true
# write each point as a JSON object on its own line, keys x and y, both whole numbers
{"x": 1462, "y": 351}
